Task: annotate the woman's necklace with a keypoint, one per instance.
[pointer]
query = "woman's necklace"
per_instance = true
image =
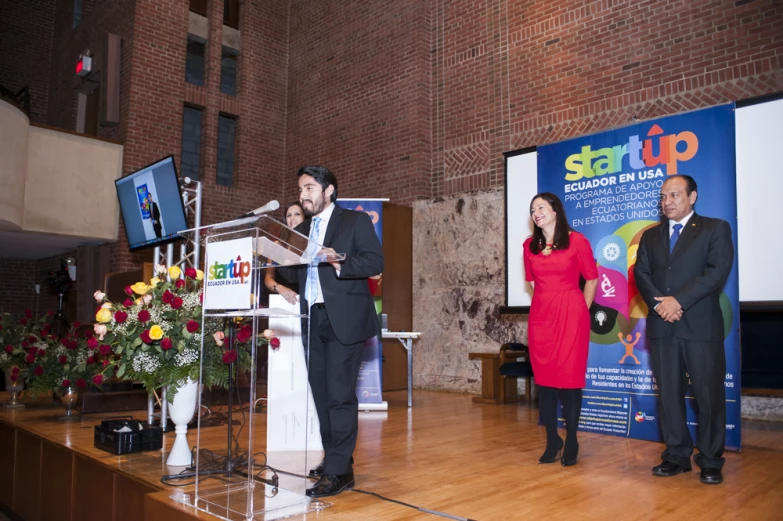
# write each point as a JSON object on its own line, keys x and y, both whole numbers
{"x": 548, "y": 250}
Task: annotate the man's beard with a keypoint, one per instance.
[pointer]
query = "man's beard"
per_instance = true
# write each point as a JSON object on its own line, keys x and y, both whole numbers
{"x": 317, "y": 207}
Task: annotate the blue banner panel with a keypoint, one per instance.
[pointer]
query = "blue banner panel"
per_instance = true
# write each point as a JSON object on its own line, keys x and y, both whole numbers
{"x": 610, "y": 186}
{"x": 369, "y": 383}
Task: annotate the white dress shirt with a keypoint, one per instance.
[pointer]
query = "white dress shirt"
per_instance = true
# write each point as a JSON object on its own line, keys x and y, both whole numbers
{"x": 324, "y": 216}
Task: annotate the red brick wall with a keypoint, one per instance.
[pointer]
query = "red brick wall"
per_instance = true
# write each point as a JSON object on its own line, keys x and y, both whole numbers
{"x": 359, "y": 95}
{"x": 517, "y": 74}
{"x": 26, "y": 44}
{"x": 454, "y": 83}
{"x": 158, "y": 93}
{"x": 17, "y": 280}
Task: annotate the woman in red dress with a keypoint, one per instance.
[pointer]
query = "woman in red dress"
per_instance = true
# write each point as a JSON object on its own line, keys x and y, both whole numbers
{"x": 559, "y": 323}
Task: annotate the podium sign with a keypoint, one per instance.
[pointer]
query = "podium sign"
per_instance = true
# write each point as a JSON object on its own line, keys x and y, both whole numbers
{"x": 229, "y": 274}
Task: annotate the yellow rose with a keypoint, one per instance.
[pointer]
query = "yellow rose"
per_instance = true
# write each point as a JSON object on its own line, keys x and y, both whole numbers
{"x": 154, "y": 281}
{"x": 140, "y": 288}
{"x": 174, "y": 272}
{"x": 156, "y": 333}
{"x": 103, "y": 315}
{"x": 199, "y": 275}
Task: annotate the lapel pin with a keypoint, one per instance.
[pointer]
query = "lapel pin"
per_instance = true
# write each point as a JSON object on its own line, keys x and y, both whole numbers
{"x": 693, "y": 224}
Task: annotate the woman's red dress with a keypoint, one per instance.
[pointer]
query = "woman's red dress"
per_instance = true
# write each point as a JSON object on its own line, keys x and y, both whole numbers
{"x": 559, "y": 323}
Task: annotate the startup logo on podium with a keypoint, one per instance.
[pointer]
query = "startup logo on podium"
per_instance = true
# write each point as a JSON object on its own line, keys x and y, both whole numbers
{"x": 228, "y": 284}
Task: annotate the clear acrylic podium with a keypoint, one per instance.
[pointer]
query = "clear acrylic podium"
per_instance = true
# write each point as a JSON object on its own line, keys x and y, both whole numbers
{"x": 236, "y": 477}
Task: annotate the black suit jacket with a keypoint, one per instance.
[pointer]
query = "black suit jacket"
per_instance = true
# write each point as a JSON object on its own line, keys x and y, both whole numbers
{"x": 694, "y": 273}
{"x": 349, "y": 304}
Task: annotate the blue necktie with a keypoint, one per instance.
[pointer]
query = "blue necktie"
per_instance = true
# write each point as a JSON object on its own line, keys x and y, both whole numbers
{"x": 311, "y": 289}
{"x": 674, "y": 237}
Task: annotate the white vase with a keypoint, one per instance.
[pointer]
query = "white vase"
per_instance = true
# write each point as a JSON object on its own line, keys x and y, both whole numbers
{"x": 181, "y": 411}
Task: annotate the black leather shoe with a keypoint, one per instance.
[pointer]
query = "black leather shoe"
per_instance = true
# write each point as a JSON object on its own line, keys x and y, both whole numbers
{"x": 569, "y": 455}
{"x": 711, "y": 476}
{"x": 668, "y": 468}
{"x": 318, "y": 470}
{"x": 552, "y": 452}
{"x": 331, "y": 485}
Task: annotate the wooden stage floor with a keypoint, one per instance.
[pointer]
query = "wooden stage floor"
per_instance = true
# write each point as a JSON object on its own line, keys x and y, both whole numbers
{"x": 480, "y": 462}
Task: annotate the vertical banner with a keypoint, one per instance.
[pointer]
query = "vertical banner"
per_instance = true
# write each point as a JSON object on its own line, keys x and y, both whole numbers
{"x": 610, "y": 186}
{"x": 369, "y": 385}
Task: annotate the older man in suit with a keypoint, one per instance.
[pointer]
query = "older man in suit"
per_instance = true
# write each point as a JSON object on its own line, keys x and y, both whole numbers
{"x": 681, "y": 268}
{"x": 342, "y": 317}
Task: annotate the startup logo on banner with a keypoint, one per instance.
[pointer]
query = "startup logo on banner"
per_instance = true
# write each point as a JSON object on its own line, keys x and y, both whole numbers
{"x": 228, "y": 284}
{"x": 621, "y": 182}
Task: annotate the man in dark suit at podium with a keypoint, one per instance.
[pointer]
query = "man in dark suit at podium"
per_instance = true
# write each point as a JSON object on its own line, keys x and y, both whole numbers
{"x": 342, "y": 318}
{"x": 681, "y": 268}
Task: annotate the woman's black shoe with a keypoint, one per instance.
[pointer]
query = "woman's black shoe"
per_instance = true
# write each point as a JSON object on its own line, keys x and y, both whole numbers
{"x": 569, "y": 456}
{"x": 551, "y": 453}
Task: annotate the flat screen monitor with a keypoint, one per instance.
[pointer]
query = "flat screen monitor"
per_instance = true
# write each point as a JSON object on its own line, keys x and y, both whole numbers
{"x": 151, "y": 205}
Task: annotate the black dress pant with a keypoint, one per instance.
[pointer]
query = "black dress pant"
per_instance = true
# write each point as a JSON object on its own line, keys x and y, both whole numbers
{"x": 333, "y": 370}
{"x": 705, "y": 363}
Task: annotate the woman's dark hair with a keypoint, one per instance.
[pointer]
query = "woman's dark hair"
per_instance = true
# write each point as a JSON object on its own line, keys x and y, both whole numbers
{"x": 289, "y": 205}
{"x": 322, "y": 175}
{"x": 561, "y": 240}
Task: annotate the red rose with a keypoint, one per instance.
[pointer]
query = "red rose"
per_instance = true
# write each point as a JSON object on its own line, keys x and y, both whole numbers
{"x": 88, "y": 334}
{"x": 33, "y": 351}
{"x": 128, "y": 291}
{"x": 41, "y": 353}
{"x": 15, "y": 370}
{"x": 66, "y": 383}
{"x": 80, "y": 383}
{"x": 144, "y": 316}
{"x": 166, "y": 344}
{"x": 97, "y": 379}
{"x": 30, "y": 358}
{"x": 25, "y": 344}
{"x": 14, "y": 376}
{"x": 120, "y": 317}
{"x": 73, "y": 344}
{"x": 167, "y": 296}
{"x": 127, "y": 302}
{"x": 38, "y": 371}
{"x": 192, "y": 326}
{"x": 23, "y": 321}
{"x": 180, "y": 283}
{"x": 92, "y": 343}
{"x": 77, "y": 334}
{"x": 63, "y": 359}
{"x": 145, "y": 336}
{"x": 77, "y": 324}
{"x": 9, "y": 349}
{"x": 244, "y": 334}
{"x": 50, "y": 313}
{"x": 90, "y": 360}
{"x": 229, "y": 357}
{"x": 32, "y": 339}
{"x": 275, "y": 343}
{"x": 105, "y": 363}
{"x": 176, "y": 303}
{"x": 104, "y": 350}
{"x": 28, "y": 313}
{"x": 190, "y": 272}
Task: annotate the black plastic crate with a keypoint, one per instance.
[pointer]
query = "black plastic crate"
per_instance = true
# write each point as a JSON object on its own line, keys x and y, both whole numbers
{"x": 139, "y": 438}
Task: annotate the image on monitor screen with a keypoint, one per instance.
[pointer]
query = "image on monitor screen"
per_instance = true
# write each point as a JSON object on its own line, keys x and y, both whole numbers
{"x": 151, "y": 205}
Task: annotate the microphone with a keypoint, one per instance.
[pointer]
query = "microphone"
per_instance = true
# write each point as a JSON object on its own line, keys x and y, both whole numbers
{"x": 271, "y": 206}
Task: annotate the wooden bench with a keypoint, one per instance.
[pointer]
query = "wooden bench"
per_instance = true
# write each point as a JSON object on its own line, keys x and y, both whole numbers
{"x": 496, "y": 388}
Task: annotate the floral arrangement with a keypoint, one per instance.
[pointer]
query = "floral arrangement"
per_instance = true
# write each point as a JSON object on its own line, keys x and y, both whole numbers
{"x": 45, "y": 362}
{"x": 13, "y": 342}
{"x": 155, "y": 334}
